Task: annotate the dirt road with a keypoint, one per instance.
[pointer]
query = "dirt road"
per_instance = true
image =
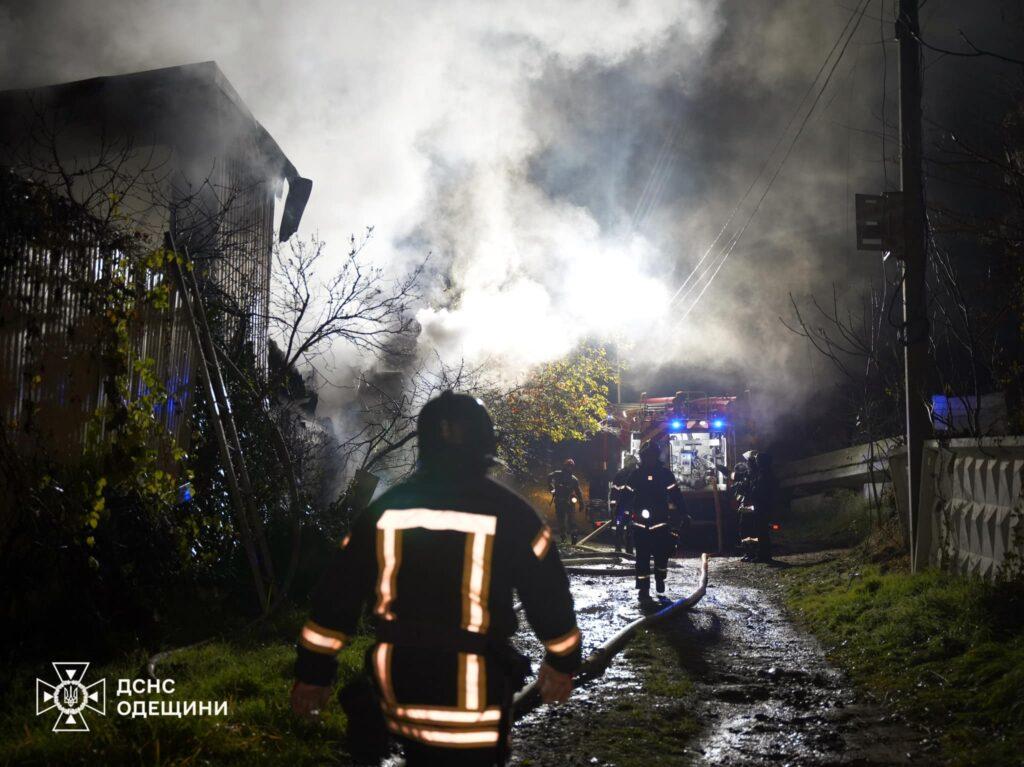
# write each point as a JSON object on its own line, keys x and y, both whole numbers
{"x": 745, "y": 686}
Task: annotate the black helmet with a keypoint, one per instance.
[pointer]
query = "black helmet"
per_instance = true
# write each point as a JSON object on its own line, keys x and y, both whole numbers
{"x": 456, "y": 429}
{"x": 650, "y": 452}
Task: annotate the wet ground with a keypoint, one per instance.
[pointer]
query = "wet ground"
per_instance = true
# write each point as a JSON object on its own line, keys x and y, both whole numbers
{"x": 747, "y": 687}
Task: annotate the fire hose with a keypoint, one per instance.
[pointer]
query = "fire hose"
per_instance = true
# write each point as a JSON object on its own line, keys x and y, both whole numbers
{"x": 598, "y": 661}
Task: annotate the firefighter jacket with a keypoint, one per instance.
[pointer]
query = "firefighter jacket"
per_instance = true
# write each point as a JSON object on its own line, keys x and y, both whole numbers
{"x": 437, "y": 558}
{"x": 741, "y": 483}
{"x": 647, "y": 494}
{"x": 565, "y": 486}
{"x": 617, "y": 495}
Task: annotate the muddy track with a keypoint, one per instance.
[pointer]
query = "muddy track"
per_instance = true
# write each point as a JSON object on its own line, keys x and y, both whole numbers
{"x": 763, "y": 691}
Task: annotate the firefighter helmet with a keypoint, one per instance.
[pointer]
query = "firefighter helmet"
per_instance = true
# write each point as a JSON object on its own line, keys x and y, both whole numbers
{"x": 456, "y": 428}
{"x": 569, "y": 464}
{"x": 650, "y": 452}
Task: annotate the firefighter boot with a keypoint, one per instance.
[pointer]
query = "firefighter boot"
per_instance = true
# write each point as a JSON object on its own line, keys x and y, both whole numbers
{"x": 659, "y": 582}
{"x": 644, "y": 593}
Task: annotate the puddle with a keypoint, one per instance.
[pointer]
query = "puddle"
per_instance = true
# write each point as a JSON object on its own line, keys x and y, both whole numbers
{"x": 765, "y": 693}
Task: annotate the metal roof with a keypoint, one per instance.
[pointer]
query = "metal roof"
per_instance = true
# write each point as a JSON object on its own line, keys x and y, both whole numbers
{"x": 191, "y": 107}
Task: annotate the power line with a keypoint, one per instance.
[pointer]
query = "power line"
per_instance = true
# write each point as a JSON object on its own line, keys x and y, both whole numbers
{"x": 764, "y": 166}
{"x": 789, "y": 150}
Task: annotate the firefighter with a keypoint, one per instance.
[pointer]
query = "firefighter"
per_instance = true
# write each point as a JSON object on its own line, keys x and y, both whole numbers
{"x": 763, "y": 491}
{"x": 566, "y": 493}
{"x": 742, "y": 488}
{"x": 651, "y": 487}
{"x": 754, "y": 486}
{"x": 619, "y": 516}
{"x": 436, "y": 558}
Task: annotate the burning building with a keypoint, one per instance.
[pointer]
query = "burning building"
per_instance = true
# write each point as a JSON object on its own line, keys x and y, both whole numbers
{"x": 164, "y": 158}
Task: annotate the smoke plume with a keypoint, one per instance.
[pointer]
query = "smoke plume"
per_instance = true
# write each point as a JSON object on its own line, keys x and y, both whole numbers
{"x": 566, "y": 163}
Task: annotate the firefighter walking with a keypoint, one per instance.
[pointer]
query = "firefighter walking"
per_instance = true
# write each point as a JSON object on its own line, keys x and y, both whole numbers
{"x": 651, "y": 488}
{"x": 566, "y": 493}
{"x": 437, "y": 558}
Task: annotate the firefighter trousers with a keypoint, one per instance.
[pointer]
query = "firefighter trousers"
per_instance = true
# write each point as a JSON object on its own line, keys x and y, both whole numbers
{"x": 654, "y": 544}
{"x": 563, "y": 513}
{"x": 624, "y": 536}
{"x": 421, "y": 755}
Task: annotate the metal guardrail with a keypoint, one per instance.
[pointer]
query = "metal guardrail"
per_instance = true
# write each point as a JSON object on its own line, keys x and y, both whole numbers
{"x": 850, "y": 467}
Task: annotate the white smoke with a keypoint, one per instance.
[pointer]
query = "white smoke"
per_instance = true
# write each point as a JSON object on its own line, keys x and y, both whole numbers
{"x": 514, "y": 141}
{"x": 420, "y": 119}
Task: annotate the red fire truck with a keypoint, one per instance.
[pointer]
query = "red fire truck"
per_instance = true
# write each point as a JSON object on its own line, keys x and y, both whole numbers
{"x": 702, "y": 437}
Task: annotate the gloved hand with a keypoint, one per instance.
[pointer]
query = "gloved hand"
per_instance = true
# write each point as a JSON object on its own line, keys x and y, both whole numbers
{"x": 555, "y": 687}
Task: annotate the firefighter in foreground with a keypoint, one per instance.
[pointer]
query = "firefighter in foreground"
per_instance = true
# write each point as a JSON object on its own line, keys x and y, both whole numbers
{"x": 649, "y": 490}
{"x": 619, "y": 514}
{"x": 436, "y": 558}
{"x": 566, "y": 493}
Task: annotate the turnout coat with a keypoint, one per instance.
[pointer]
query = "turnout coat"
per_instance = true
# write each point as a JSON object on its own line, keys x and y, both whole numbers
{"x": 436, "y": 559}
{"x": 646, "y": 495}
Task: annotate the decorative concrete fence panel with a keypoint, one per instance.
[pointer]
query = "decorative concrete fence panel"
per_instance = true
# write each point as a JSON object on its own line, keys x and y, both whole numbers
{"x": 971, "y": 505}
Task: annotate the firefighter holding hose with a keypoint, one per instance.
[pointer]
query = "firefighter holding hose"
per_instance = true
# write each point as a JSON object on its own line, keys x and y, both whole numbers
{"x": 565, "y": 493}
{"x": 437, "y": 558}
{"x": 657, "y": 510}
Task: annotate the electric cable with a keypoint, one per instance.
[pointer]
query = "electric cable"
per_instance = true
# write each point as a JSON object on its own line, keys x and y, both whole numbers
{"x": 764, "y": 166}
{"x": 735, "y": 240}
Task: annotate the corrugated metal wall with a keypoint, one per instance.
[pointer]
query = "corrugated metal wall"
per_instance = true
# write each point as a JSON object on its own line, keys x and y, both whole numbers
{"x": 54, "y": 298}
{"x": 52, "y": 279}
{"x": 240, "y": 271}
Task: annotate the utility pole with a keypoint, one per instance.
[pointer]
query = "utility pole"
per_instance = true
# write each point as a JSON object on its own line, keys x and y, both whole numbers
{"x": 914, "y": 260}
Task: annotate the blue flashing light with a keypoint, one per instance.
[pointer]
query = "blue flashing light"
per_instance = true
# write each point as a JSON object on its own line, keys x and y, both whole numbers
{"x": 718, "y": 424}
{"x": 675, "y": 425}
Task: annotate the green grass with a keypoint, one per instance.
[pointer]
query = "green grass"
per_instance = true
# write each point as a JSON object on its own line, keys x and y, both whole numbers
{"x": 833, "y": 520}
{"x": 946, "y": 651}
{"x": 253, "y": 675}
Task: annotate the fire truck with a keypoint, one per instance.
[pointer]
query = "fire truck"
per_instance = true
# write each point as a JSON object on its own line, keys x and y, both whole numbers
{"x": 702, "y": 436}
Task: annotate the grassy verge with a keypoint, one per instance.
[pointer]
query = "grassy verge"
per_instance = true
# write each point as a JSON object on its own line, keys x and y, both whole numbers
{"x": 650, "y": 728}
{"x": 253, "y": 675}
{"x": 946, "y": 651}
{"x": 831, "y": 520}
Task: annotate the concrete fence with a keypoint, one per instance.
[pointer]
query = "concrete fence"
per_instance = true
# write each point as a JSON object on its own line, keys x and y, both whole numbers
{"x": 972, "y": 511}
{"x": 971, "y": 505}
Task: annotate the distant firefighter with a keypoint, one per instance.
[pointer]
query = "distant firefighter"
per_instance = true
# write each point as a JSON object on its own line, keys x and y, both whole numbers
{"x": 764, "y": 490}
{"x": 566, "y": 493}
{"x": 650, "y": 488}
{"x": 753, "y": 483}
{"x": 619, "y": 507}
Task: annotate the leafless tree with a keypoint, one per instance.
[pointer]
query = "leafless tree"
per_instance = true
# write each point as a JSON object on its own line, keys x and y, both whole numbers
{"x": 863, "y": 349}
{"x": 383, "y": 441}
{"x": 355, "y": 304}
